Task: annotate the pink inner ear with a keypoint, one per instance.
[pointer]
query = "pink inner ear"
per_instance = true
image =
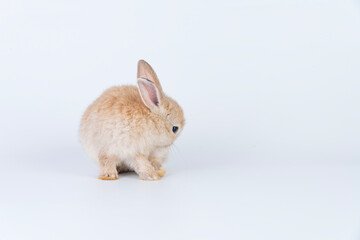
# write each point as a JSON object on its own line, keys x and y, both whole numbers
{"x": 148, "y": 93}
{"x": 151, "y": 91}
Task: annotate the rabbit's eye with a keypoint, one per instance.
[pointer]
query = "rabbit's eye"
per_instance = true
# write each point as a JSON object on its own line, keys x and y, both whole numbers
{"x": 175, "y": 129}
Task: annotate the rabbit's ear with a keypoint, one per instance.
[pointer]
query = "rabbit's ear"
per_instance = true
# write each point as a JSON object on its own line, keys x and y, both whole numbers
{"x": 150, "y": 95}
{"x": 145, "y": 71}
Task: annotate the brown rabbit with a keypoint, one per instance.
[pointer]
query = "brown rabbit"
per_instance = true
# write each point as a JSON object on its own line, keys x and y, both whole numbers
{"x": 131, "y": 128}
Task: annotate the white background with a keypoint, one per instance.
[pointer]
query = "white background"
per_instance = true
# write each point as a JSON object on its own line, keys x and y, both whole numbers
{"x": 270, "y": 91}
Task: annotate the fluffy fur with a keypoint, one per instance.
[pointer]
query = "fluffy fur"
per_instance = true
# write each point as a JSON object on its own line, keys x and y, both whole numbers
{"x": 130, "y": 128}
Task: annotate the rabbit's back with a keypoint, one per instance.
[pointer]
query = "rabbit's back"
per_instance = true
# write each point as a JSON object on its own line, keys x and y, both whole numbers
{"x": 113, "y": 121}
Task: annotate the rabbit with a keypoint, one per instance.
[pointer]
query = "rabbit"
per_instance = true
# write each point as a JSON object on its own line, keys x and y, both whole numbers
{"x": 131, "y": 128}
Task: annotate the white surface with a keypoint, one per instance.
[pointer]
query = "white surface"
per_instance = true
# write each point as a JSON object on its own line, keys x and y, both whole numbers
{"x": 225, "y": 202}
{"x": 270, "y": 91}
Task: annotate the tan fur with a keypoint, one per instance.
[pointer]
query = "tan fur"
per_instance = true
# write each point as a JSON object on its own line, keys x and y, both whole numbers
{"x": 122, "y": 134}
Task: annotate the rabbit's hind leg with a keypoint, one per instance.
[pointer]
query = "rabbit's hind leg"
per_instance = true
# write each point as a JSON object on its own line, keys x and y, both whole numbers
{"x": 107, "y": 166}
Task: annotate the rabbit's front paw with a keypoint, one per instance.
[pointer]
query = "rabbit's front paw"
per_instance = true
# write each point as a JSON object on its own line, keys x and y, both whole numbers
{"x": 149, "y": 176}
{"x": 161, "y": 172}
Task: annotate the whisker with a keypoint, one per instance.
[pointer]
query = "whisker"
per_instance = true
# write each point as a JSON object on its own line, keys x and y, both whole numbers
{"x": 177, "y": 151}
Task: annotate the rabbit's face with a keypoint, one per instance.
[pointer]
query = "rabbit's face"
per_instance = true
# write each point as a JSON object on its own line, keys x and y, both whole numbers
{"x": 174, "y": 118}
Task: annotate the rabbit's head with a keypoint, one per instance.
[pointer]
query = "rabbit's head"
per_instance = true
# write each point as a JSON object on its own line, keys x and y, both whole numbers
{"x": 166, "y": 110}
